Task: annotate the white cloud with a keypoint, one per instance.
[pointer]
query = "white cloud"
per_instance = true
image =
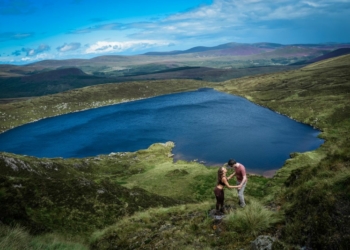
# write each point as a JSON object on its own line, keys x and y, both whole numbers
{"x": 68, "y": 47}
{"x": 114, "y": 47}
{"x": 238, "y": 12}
{"x": 314, "y": 4}
{"x": 37, "y": 57}
{"x": 33, "y": 52}
{"x": 225, "y": 20}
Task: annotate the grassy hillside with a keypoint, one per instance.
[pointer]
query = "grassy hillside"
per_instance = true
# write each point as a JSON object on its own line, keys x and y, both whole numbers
{"x": 335, "y": 53}
{"x": 314, "y": 187}
{"x": 59, "y": 80}
{"x": 75, "y": 195}
{"x": 143, "y": 200}
{"x": 45, "y": 83}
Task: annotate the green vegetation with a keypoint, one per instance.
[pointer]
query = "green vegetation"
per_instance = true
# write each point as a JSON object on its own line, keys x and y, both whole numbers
{"x": 252, "y": 220}
{"x": 143, "y": 200}
{"x": 74, "y": 196}
{"x": 181, "y": 227}
{"x": 186, "y": 227}
{"x": 80, "y": 197}
{"x": 16, "y": 237}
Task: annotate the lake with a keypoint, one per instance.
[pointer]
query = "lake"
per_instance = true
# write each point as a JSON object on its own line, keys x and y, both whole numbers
{"x": 206, "y": 125}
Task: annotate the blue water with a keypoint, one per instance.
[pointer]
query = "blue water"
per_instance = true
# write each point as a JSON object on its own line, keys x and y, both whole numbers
{"x": 206, "y": 125}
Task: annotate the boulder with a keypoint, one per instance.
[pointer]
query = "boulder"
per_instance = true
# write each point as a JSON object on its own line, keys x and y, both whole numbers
{"x": 262, "y": 242}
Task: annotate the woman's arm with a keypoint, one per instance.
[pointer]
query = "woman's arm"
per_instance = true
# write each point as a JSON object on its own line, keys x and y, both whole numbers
{"x": 231, "y": 176}
{"x": 224, "y": 180}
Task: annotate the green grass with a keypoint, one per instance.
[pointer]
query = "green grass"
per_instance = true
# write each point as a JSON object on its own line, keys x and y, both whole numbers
{"x": 187, "y": 227}
{"x": 161, "y": 180}
{"x": 17, "y": 238}
{"x": 74, "y": 196}
{"x": 252, "y": 220}
{"x": 179, "y": 227}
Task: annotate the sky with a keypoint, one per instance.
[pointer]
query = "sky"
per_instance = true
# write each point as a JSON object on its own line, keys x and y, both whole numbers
{"x": 34, "y": 30}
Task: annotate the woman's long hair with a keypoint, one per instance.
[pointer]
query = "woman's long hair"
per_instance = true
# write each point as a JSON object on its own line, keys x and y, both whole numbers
{"x": 220, "y": 174}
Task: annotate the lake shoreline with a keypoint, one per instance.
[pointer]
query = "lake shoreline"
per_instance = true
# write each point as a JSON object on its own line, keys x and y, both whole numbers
{"x": 211, "y": 92}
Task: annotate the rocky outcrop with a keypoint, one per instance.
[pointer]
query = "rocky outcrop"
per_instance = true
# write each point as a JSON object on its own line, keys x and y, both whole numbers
{"x": 262, "y": 242}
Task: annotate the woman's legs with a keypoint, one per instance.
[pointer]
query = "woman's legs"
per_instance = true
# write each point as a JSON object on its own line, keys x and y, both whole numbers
{"x": 219, "y": 194}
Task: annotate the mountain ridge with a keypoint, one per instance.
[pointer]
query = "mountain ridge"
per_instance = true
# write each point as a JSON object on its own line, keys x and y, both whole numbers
{"x": 217, "y": 63}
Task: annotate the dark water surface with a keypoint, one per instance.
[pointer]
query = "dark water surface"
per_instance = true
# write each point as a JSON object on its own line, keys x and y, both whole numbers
{"x": 206, "y": 125}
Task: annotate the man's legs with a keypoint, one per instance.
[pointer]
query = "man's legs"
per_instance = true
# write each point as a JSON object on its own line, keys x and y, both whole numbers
{"x": 241, "y": 194}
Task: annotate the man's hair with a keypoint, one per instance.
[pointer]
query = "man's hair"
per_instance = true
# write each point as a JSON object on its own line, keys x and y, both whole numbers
{"x": 231, "y": 162}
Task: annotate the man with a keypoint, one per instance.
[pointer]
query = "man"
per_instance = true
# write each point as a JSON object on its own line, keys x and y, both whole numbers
{"x": 241, "y": 177}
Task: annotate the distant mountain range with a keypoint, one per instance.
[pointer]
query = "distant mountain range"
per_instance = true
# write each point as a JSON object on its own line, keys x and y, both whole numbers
{"x": 240, "y": 49}
{"x": 236, "y": 49}
{"x": 218, "y": 63}
{"x": 229, "y": 55}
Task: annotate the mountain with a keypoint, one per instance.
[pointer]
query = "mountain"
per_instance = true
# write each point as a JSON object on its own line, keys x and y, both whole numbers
{"x": 237, "y": 49}
{"x": 235, "y": 55}
{"x": 234, "y": 48}
{"x": 217, "y": 63}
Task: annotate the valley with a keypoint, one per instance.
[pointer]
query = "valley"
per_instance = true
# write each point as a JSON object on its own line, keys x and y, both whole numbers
{"x": 101, "y": 202}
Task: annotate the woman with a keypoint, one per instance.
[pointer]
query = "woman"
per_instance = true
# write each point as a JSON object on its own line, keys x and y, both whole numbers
{"x": 219, "y": 189}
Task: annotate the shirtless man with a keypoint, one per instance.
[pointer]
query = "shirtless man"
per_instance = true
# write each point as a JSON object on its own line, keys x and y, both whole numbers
{"x": 241, "y": 177}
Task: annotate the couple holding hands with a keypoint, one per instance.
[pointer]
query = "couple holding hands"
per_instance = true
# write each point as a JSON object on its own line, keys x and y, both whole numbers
{"x": 222, "y": 182}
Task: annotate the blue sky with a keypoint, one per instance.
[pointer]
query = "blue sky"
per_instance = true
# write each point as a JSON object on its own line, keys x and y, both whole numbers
{"x": 32, "y": 30}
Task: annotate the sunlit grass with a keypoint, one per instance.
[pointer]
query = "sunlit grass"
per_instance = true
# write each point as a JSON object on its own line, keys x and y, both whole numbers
{"x": 252, "y": 219}
{"x": 181, "y": 180}
{"x": 13, "y": 238}
{"x": 172, "y": 228}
